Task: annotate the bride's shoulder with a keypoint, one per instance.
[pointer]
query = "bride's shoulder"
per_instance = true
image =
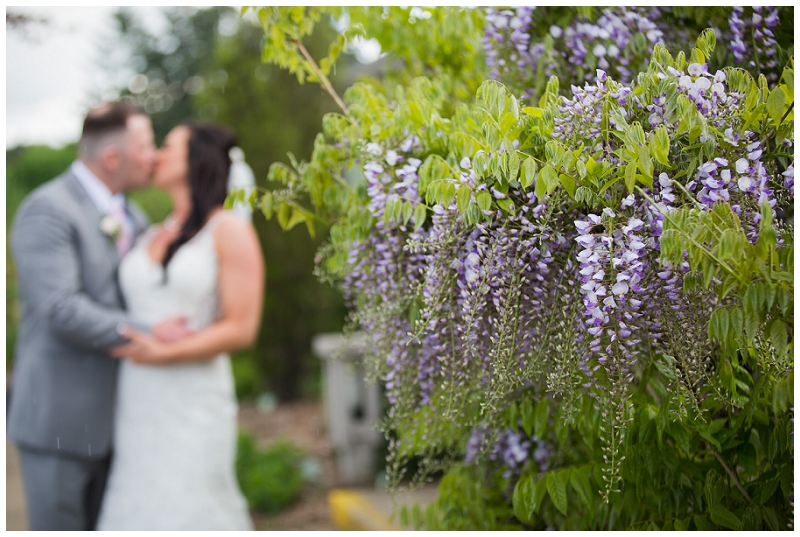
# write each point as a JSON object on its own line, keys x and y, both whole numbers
{"x": 225, "y": 219}
{"x": 232, "y": 231}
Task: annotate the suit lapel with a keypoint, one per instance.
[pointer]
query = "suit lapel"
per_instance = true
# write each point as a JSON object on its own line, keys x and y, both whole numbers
{"x": 93, "y": 215}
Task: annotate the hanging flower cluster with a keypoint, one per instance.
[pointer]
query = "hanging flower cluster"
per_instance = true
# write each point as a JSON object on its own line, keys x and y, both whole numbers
{"x": 759, "y": 29}
{"x": 619, "y": 41}
{"x": 607, "y": 39}
{"x": 605, "y": 262}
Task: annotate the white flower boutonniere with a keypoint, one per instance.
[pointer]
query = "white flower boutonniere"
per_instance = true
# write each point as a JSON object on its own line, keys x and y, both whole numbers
{"x": 111, "y": 226}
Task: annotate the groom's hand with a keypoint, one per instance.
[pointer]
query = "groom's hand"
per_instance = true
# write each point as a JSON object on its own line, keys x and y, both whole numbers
{"x": 171, "y": 330}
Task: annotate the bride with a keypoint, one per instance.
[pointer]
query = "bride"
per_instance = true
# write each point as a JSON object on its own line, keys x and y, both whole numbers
{"x": 175, "y": 421}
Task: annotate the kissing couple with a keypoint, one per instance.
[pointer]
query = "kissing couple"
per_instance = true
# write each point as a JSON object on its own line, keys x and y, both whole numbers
{"x": 122, "y": 398}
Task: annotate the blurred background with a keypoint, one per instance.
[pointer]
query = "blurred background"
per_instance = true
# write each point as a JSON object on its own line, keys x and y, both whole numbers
{"x": 181, "y": 63}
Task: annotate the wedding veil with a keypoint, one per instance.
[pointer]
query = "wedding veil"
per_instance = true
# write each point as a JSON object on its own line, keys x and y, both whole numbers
{"x": 241, "y": 176}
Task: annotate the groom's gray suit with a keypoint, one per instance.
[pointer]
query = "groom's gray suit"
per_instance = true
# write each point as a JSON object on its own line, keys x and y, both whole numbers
{"x": 63, "y": 383}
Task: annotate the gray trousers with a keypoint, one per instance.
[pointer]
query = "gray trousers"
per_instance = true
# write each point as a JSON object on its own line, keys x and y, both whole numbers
{"x": 62, "y": 492}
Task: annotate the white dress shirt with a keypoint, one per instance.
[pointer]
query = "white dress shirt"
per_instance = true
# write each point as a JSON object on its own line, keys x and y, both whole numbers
{"x": 100, "y": 193}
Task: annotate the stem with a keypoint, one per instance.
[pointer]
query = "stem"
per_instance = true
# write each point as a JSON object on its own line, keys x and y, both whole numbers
{"x": 326, "y": 85}
{"x": 731, "y": 473}
{"x": 786, "y": 114}
{"x": 705, "y": 250}
{"x": 773, "y": 130}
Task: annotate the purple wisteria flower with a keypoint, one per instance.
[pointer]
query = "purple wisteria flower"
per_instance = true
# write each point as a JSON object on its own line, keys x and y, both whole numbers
{"x": 756, "y": 27}
{"x": 608, "y": 38}
{"x": 789, "y": 178}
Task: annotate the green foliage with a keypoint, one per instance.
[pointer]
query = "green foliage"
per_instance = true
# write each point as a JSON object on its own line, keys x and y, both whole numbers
{"x": 296, "y": 305}
{"x": 28, "y": 167}
{"x": 284, "y": 30}
{"x": 701, "y": 437}
{"x": 271, "y": 479}
{"x": 170, "y": 68}
{"x": 466, "y": 503}
{"x": 246, "y": 377}
{"x": 437, "y": 42}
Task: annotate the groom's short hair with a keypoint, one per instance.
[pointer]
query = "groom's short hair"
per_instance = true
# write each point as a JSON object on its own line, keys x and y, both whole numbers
{"x": 103, "y": 125}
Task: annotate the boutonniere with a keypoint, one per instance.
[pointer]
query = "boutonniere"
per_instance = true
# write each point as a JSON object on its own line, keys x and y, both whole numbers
{"x": 111, "y": 226}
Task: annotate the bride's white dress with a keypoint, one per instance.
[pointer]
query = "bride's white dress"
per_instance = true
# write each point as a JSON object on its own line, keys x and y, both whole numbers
{"x": 173, "y": 466}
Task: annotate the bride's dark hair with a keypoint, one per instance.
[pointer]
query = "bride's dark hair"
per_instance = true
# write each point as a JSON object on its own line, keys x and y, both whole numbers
{"x": 209, "y": 165}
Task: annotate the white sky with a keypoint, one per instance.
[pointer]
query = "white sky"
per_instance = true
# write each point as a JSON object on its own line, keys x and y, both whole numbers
{"x": 52, "y": 71}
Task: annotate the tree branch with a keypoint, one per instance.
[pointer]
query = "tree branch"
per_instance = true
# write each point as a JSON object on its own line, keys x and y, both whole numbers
{"x": 731, "y": 473}
{"x": 326, "y": 85}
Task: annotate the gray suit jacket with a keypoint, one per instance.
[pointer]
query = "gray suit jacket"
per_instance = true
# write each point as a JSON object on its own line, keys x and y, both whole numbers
{"x": 63, "y": 382}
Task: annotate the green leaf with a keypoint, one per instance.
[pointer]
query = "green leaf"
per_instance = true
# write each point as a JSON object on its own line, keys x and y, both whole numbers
{"x": 484, "y": 200}
{"x": 697, "y": 56}
{"x": 661, "y": 141}
{"x": 528, "y": 174}
{"x": 539, "y": 492}
{"x": 569, "y": 184}
{"x": 448, "y": 193}
{"x": 404, "y": 516}
{"x": 433, "y": 169}
{"x": 539, "y": 188}
{"x": 630, "y": 176}
{"x": 297, "y": 217}
{"x": 787, "y": 481}
{"x": 557, "y": 488}
{"x": 702, "y": 523}
{"x": 751, "y": 519}
{"x": 775, "y": 105}
{"x": 519, "y": 500}
{"x": 771, "y": 519}
{"x": 532, "y": 111}
{"x": 420, "y": 213}
{"x": 747, "y": 456}
{"x": 463, "y": 198}
{"x": 283, "y": 215}
{"x": 591, "y": 165}
{"x": 526, "y": 415}
{"x": 707, "y": 42}
{"x": 579, "y": 479}
{"x": 513, "y": 167}
{"x": 408, "y": 211}
{"x": 779, "y": 337}
{"x": 549, "y": 177}
{"x": 736, "y": 320}
{"x": 722, "y": 516}
{"x": 506, "y": 204}
{"x": 751, "y": 324}
{"x": 310, "y": 226}
{"x": 718, "y": 325}
{"x": 645, "y": 162}
{"x": 783, "y": 394}
{"x": 266, "y": 205}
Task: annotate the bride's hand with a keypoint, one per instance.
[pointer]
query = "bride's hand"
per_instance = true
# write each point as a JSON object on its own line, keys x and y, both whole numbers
{"x": 141, "y": 348}
{"x": 173, "y": 329}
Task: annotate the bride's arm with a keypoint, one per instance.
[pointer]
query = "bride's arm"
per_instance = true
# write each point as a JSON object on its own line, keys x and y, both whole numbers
{"x": 241, "y": 290}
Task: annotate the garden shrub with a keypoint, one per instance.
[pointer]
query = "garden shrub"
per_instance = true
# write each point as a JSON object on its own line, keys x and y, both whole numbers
{"x": 577, "y": 284}
{"x": 271, "y": 478}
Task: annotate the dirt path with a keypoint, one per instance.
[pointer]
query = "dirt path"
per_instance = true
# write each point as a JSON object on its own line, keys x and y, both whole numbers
{"x": 302, "y": 422}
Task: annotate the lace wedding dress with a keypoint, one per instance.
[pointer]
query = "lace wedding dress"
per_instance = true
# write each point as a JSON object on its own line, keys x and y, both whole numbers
{"x": 173, "y": 466}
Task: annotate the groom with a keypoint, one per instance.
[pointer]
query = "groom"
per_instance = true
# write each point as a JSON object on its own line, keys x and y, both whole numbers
{"x": 67, "y": 239}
